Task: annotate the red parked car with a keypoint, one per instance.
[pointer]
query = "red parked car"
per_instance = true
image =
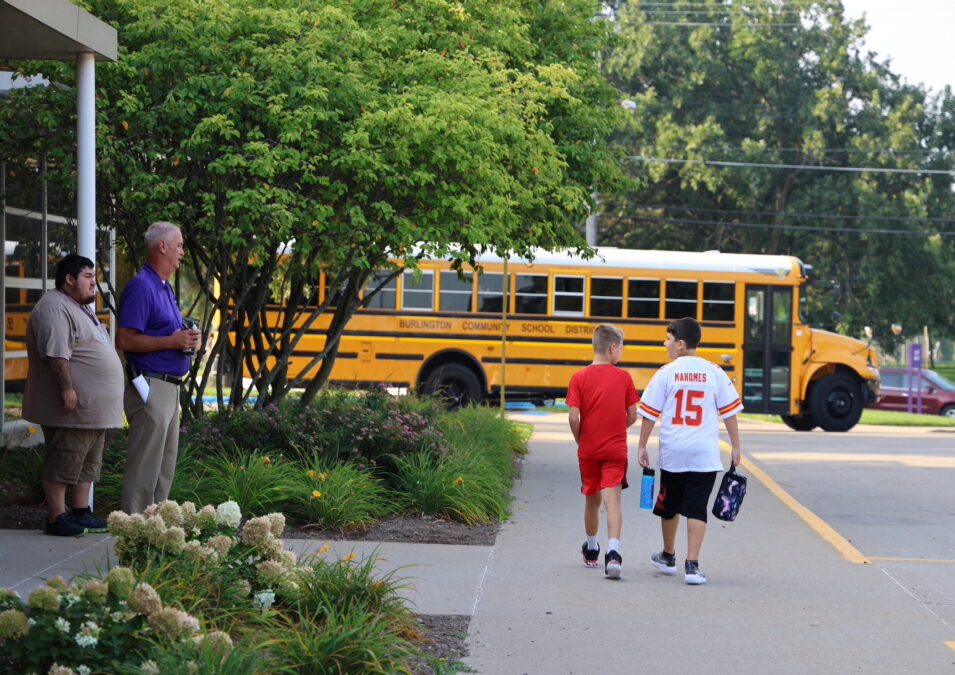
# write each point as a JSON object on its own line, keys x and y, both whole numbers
{"x": 938, "y": 393}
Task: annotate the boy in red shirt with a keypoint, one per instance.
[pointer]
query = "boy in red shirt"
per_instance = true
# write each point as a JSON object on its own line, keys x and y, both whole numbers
{"x": 603, "y": 403}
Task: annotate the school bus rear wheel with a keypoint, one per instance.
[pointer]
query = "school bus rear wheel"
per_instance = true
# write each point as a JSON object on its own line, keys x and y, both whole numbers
{"x": 454, "y": 384}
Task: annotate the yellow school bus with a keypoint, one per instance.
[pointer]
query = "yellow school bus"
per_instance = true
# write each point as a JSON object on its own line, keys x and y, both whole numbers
{"x": 434, "y": 332}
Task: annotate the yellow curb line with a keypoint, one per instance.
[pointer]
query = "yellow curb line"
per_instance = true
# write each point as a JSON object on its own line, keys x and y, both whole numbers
{"x": 821, "y": 527}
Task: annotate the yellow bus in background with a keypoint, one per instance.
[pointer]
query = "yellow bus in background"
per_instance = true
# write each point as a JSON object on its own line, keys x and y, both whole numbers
{"x": 433, "y": 332}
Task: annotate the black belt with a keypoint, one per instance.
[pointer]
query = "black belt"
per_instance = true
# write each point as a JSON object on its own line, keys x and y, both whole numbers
{"x": 164, "y": 377}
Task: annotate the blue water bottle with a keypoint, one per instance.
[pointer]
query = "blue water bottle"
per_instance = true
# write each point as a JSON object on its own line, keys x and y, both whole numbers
{"x": 646, "y": 489}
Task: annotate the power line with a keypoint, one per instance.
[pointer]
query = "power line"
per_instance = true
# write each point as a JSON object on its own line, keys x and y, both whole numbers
{"x": 815, "y": 216}
{"x": 766, "y": 226}
{"x": 802, "y": 167}
{"x": 812, "y": 151}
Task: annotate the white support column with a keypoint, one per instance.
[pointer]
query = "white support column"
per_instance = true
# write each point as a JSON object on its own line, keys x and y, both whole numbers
{"x": 86, "y": 162}
{"x": 86, "y": 155}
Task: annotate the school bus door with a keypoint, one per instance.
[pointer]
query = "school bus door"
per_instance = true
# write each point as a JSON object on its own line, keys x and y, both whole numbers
{"x": 767, "y": 349}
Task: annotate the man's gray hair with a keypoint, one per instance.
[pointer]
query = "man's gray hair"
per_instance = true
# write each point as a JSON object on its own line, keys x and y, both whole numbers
{"x": 158, "y": 232}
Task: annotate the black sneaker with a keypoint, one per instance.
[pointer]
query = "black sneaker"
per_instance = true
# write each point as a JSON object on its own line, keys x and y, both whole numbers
{"x": 85, "y": 518}
{"x": 693, "y": 574}
{"x": 664, "y": 562}
{"x": 591, "y": 558}
{"x": 612, "y": 562}
{"x": 63, "y": 526}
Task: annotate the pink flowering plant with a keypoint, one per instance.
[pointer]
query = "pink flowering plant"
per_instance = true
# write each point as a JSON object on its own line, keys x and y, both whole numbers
{"x": 367, "y": 427}
{"x": 87, "y": 625}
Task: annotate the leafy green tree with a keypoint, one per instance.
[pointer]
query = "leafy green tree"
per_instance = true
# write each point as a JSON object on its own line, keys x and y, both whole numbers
{"x": 292, "y": 136}
{"x": 785, "y": 84}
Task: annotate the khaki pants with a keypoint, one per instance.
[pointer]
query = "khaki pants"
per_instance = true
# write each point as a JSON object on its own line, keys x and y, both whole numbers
{"x": 153, "y": 444}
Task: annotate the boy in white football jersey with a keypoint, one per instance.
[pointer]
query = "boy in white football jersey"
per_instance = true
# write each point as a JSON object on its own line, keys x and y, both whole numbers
{"x": 689, "y": 395}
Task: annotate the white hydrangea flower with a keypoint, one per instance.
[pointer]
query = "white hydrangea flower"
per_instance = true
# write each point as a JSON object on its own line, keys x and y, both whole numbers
{"x": 62, "y": 625}
{"x": 228, "y": 514}
{"x": 85, "y": 640}
{"x": 83, "y": 670}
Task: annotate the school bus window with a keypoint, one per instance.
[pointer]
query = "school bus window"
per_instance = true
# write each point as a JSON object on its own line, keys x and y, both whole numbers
{"x": 681, "y": 299}
{"x": 719, "y": 301}
{"x": 643, "y": 299}
{"x": 490, "y": 293}
{"x": 387, "y": 297}
{"x": 569, "y": 296}
{"x": 336, "y": 293}
{"x": 418, "y": 293}
{"x": 531, "y": 294}
{"x": 455, "y": 294}
{"x": 606, "y": 297}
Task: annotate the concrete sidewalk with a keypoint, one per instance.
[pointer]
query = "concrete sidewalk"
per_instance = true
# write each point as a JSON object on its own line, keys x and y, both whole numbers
{"x": 779, "y": 598}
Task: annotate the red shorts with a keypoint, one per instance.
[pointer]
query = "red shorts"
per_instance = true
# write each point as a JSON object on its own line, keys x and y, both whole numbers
{"x": 597, "y": 474}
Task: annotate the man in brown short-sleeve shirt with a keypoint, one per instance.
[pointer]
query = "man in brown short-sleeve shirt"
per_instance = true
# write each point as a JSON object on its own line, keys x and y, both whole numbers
{"x": 74, "y": 391}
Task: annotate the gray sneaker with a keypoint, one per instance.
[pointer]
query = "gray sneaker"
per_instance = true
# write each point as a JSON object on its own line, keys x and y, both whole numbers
{"x": 693, "y": 574}
{"x": 664, "y": 562}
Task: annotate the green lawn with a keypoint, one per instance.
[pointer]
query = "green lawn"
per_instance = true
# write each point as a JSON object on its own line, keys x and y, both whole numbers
{"x": 876, "y": 417}
{"x": 879, "y": 418}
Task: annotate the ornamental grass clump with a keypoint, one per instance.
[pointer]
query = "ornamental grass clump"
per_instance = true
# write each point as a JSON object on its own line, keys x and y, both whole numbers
{"x": 338, "y": 496}
{"x": 88, "y": 625}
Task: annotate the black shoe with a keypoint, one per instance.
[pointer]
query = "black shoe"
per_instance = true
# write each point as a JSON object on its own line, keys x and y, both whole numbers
{"x": 590, "y": 557}
{"x": 63, "y": 526}
{"x": 85, "y": 518}
{"x": 612, "y": 562}
{"x": 664, "y": 562}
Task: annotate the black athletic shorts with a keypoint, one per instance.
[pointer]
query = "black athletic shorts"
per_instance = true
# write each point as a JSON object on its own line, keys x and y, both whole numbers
{"x": 686, "y": 493}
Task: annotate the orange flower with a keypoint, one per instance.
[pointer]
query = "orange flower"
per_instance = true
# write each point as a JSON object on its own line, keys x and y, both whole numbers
{"x": 316, "y": 494}
{"x": 311, "y": 474}
{"x": 324, "y": 549}
{"x": 266, "y": 460}
{"x": 459, "y": 481}
{"x": 323, "y": 477}
{"x": 349, "y": 557}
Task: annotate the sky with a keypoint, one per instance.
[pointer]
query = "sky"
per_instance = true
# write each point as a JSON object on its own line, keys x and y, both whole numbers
{"x": 916, "y": 34}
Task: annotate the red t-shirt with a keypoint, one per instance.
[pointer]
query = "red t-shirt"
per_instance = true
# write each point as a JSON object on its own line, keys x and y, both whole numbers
{"x": 602, "y": 393}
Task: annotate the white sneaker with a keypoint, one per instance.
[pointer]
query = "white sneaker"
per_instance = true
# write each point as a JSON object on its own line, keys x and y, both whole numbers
{"x": 663, "y": 562}
{"x": 693, "y": 574}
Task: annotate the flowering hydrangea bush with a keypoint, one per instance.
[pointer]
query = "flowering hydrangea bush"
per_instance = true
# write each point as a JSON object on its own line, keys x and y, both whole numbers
{"x": 210, "y": 535}
{"x": 89, "y": 625}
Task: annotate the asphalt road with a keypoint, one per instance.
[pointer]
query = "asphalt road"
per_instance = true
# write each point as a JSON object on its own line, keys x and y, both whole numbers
{"x": 888, "y": 492}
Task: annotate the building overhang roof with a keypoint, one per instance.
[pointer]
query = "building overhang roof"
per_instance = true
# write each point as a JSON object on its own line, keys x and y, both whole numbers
{"x": 53, "y": 30}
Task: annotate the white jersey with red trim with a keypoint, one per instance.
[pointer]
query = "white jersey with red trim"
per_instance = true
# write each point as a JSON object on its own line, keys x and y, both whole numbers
{"x": 688, "y": 397}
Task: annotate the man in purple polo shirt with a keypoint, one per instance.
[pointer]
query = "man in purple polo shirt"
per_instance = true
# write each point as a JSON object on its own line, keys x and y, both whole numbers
{"x": 152, "y": 335}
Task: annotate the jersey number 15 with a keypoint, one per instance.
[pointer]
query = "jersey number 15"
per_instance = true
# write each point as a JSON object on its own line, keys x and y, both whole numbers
{"x": 689, "y": 412}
